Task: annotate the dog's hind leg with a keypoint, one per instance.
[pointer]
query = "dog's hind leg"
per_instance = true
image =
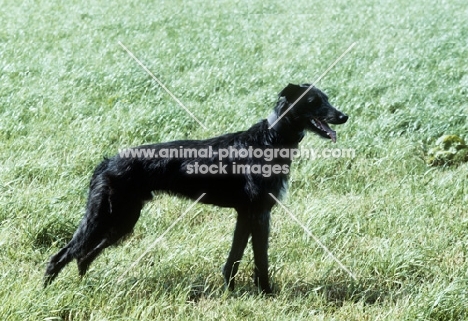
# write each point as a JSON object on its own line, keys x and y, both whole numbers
{"x": 121, "y": 221}
{"x": 241, "y": 237}
{"x": 260, "y": 233}
{"x": 85, "y": 261}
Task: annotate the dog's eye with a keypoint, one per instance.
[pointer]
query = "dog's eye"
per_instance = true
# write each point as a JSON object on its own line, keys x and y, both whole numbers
{"x": 312, "y": 100}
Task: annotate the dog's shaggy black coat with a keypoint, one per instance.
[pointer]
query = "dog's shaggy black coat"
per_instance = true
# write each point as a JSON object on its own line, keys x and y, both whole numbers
{"x": 120, "y": 186}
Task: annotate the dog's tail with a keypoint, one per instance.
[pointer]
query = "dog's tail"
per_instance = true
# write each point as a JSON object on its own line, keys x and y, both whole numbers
{"x": 87, "y": 236}
{"x": 57, "y": 263}
{"x": 114, "y": 206}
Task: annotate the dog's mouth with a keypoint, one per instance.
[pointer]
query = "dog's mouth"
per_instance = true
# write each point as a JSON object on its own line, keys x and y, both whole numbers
{"x": 321, "y": 127}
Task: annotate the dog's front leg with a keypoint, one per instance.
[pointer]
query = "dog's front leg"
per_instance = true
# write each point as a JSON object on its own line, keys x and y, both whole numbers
{"x": 260, "y": 233}
{"x": 241, "y": 237}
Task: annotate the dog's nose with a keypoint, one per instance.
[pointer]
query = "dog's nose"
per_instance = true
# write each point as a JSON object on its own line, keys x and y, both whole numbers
{"x": 342, "y": 118}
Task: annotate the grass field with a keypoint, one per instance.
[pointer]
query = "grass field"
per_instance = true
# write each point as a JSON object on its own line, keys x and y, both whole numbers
{"x": 70, "y": 95}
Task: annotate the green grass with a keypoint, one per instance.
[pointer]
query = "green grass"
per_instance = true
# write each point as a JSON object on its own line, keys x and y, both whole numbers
{"x": 70, "y": 95}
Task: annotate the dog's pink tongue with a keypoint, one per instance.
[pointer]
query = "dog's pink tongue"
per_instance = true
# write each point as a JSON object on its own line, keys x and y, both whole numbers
{"x": 330, "y": 132}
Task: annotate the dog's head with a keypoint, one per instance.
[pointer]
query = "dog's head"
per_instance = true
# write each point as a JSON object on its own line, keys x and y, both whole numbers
{"x": 311, "y": 110}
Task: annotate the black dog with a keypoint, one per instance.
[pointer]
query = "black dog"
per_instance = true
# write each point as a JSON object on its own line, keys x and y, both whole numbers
{"x": 236, "y": 170}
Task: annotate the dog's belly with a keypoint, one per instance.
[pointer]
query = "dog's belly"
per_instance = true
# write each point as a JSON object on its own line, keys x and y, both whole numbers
{"x": 229, "y": 183}
{"x": 234, "y": 191}
{"x": 228, "y": 191}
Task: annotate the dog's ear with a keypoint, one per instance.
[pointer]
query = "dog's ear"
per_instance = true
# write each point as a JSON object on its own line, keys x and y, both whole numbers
{"x": 291, "y": 92}
{"x": 281, "y": 106}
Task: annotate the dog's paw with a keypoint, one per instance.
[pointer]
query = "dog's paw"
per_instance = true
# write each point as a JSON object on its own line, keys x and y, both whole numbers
{"x": 228, "y": 279}
{"x": 263, "y": 285}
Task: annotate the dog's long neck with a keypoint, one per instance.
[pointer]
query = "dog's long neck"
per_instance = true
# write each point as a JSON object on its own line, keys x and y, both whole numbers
{"x": 284, "y": 129}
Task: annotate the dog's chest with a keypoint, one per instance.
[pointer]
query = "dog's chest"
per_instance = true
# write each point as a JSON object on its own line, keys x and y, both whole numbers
{"x": 283, "y": 187}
